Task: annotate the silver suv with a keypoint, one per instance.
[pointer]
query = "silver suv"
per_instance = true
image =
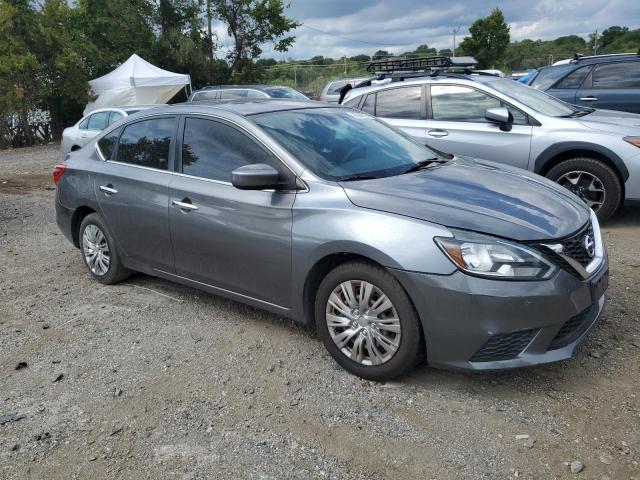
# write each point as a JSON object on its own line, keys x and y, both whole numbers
{"x": 593, "y": 153}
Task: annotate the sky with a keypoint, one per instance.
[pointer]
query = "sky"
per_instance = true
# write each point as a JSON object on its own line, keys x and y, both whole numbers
{"x": 364, "y": 26}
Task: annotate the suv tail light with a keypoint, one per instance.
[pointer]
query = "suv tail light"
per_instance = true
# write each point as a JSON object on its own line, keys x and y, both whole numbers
{"x": 58, "y": 171}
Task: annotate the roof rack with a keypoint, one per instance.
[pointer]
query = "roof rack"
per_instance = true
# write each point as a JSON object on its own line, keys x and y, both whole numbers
{"x": 579, "y": 56}
{"x": 421, "y": 63}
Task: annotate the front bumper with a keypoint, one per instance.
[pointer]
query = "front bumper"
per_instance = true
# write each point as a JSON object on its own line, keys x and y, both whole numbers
{"x": 472, "y": 323}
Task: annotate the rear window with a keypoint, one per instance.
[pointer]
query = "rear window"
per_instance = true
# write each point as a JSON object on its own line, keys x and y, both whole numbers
{"x": 548, "y": 76}
{"x": 617, "y": 75}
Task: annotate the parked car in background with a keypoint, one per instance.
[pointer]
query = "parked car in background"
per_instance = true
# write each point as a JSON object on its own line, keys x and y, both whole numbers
{"x": 330, "y": 217}
{"x": 77, "y": 136}
{"x": 492, "y": 71}
{"x": 331, "y": 91}
{"x": 593, "y": 153}
{"x": 243, "y": 93}
{"x": 604, "y": 81}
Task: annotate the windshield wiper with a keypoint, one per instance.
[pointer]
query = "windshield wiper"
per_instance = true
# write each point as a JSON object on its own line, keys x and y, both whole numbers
{"x": 423, "y": 164}
{"x": 353, "y": 178}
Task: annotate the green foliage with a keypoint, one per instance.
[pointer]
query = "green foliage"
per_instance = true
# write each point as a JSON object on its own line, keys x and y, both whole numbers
{"x": 489, "y": 39}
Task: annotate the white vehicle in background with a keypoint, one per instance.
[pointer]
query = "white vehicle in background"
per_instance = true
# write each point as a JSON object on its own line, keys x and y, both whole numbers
{"x": 77, "y": 136}
{"x": 331, "y": 91}
{"x": 491, "y": 71}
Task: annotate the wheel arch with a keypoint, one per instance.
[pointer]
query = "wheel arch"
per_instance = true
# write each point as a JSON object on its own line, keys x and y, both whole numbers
{"x": 558, "y": 153}
{"x": 76, "y": 220}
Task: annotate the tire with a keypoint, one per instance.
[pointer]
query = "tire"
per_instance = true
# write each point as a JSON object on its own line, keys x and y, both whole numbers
{"x": 115, "y": 272}
{"x": 409, "y": 338}
{"x": 567, "y": 172}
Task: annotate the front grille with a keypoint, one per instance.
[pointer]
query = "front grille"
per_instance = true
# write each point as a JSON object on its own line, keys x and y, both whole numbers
{"x": 572, "y": 247}
{"x": 570, "y": 330}
{"x": 504, "y": 346}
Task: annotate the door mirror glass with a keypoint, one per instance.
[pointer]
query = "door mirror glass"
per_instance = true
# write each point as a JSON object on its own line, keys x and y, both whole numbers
{"x": 501, "y": 116}
{"x": 256, "y": 176}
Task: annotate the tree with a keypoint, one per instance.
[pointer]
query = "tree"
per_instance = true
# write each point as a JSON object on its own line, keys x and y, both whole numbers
{"x": 251, "y": 23}
{"x": 489, "y": 39}
{"x": 446, "y": 52}
{"x": 612, "y": 34}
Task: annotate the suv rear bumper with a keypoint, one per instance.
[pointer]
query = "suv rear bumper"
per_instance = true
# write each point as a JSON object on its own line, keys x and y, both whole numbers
{"x": 472, "y": 323}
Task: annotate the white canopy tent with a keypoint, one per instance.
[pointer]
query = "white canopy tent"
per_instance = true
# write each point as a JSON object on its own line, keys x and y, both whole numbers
{"x": 136, "y": 82}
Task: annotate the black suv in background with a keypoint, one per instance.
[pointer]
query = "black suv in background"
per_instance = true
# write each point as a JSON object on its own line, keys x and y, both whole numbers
{"x": 604, "y": 81}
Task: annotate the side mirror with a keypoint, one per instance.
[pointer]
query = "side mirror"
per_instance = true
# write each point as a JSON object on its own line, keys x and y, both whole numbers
{"x": 501, "y": 116}
{"x": 256, "y": 176}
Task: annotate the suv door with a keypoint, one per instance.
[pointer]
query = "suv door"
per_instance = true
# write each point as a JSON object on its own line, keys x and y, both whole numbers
{"x": 132, "y": 187}
{"x": 236, "y": 240}
{"x": 566, "y": 88}
{"x": 613, "y": 86}
{"x": 401, "y": 107}
{"x": 457, "y": 125}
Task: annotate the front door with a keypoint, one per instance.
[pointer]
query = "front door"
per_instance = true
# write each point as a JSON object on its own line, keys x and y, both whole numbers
{"x": 132, "y": 187}
{"x": 236, "y": 240}
{"x": 458, "y": 126}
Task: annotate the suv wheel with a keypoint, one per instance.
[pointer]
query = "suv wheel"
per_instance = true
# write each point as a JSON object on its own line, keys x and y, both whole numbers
{"x": 367, "y": 322}
{"x": 99, "y": 251}
{"x": 591, "y": 180}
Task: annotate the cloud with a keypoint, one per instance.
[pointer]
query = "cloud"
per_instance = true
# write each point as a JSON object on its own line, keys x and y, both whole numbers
{"x": 402, "y": 25}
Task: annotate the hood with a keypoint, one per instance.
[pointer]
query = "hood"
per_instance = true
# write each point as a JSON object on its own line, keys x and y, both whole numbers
{"x": 479, "y": 196}
{"x": 623, "y": 123}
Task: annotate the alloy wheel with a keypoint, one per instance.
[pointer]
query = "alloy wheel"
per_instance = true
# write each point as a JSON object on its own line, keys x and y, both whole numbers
{"x": 363, "y": 322}
{"x": 96, "y": 250}
{"x": 585, "y": 185}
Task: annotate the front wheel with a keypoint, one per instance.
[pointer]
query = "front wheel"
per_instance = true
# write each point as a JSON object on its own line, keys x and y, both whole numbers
{"x": 367, "y": 322}
{"x": 593, "y": 181}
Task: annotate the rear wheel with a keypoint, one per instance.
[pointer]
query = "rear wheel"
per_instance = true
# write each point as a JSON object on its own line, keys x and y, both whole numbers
{"x": 593, "y": 181}
{"x": 367, "y": 322}
{"x": 99, "y": 251}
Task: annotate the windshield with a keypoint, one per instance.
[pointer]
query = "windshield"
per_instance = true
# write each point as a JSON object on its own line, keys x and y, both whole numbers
{"x": 343, "y": 144}
{"x": 539, "y": 101}
{"x": 284, "y": 92}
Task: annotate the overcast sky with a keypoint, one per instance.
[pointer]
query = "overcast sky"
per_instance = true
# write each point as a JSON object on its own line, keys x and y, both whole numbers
{"x": 401, "y": 25}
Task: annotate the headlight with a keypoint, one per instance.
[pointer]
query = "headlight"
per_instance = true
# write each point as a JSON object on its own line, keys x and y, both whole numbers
{"x": 635, "y": 141}
{"x": 492, "y": 257}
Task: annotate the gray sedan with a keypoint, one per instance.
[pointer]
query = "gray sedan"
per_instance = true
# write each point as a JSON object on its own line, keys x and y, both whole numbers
{"x": 329, "y": 216}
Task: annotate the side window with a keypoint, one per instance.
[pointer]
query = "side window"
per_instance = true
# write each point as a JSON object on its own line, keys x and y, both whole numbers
{"x": 212, "y": 149}
{"x": 233, "y": 94}
{"x": 353, "y": 102}
{"x": 146, "y": 143}
{"x": 369, "y": 105}
{"x": 575, "y": 78}
{"x": 206, "y": 95}
{"x": 460, "y": 104}
{"x": 405, "y": 102}
{"x": 617, "y": 75}
{"x": 114, "y": 117}
{"x": 98, "y": 121}
{"x": 106, "y": 143}
{"x": 84, "y": 123}
{"x": 254, "y": 94}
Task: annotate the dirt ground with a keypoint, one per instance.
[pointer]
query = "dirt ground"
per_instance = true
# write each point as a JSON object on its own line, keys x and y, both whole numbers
{"x": 148, "y": 379}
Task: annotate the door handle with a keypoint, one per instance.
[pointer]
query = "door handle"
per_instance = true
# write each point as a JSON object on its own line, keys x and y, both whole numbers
{"x": 437, "y": 133}
{"x": 588, "y": 99}
{"x": 108, "y": 189}
{"x": 184, "y": 205}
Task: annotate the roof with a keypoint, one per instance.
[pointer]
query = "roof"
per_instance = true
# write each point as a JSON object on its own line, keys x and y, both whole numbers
{"x": 591, "y": 60}
{"x": 244, "y": 108}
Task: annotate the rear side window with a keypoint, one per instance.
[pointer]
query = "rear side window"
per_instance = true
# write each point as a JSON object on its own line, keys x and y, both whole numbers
{"x": 114, "y": 117}
{"x": 212, "y": 149}
{"x": 146, "y": 143}
{"x": 108, "y": 142}
{"x": 575, "y": 78}
{"x": 403, "y": 102}
{"x": 617, "y": 75}
{"x": 352, "y": 102}
{"x": 370, "y": 104}
{"x": 212, "y": 95}
{"x": 255, "y": 94}
{"x": 83, "y": 124}
{"x": 98, "y": 121}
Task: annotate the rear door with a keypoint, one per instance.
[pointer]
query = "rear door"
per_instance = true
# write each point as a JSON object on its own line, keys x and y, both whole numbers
{"x": 236, "y": 240}
{"x": 401, "y": 107}
{"x": 95, "y": 124}
{"x": 132, "y": 187}
{"x": 458, "y": 126}
{"x": 612, "y": 86}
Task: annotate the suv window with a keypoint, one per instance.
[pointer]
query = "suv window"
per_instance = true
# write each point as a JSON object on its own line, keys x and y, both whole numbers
{"x": 454, "y": 103}
{"x": 213, "y": 149}
{"x": 617, "y": 75}
{"x": 404, "y": 102}
{"x": 106, "y": 143}
{"x": 98, "y": 121}
{"x": 146, "y": 143}
{"x": 369, "y": 105}
{"x": 575, "y": 78}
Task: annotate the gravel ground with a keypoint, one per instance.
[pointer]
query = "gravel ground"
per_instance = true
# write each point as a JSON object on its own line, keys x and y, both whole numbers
{"x": 149, "y": 379}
